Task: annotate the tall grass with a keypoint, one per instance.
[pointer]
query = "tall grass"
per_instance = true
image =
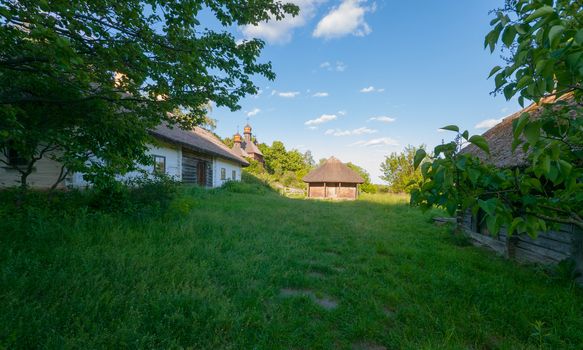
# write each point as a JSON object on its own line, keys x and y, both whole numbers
{"x": 205, "y": 269}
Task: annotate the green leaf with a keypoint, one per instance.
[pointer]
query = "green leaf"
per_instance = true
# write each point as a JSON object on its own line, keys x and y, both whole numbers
{"x": 546, "y": 164}
{"x": 480, "y": 142}
{"x": 453, "y": 128}
{"x": 419, "y": 156}
{"x": 565, "y": 166}
{"x": 514, "y": 225}
{"x": 508, "y": 36}
{"x": 465, "y": 134}
{"x": 532, "y": 131}
{"x": 525, "y": 80}
{"x": 540, "y": 12}
{"x": 579, "y": 37}
{"x": 494, "y": 71}
{"x": 555, "y": 32}
{"x": 519, "y": 124}
{"x": 489, "y": 206}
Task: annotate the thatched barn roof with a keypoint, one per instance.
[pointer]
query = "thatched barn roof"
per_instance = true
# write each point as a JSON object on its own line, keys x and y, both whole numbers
{"x": 198, "y": 140}
{"x": 333, "y": 170}
{"x": 501, "y": 136}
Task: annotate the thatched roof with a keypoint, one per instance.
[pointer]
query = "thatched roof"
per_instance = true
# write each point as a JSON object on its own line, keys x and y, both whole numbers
{"x": 333, "y": 170}
{"x": 198, "y": 140}
{"x": 501, "y": 136}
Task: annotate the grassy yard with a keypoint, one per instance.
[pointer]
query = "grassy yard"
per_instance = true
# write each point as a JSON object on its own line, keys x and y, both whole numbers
{"x": 233, "y": 269}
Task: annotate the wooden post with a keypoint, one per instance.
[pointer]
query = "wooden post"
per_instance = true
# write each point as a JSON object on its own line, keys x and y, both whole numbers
{"x": 325, "y": 191}
{"x": 308, "y": 190}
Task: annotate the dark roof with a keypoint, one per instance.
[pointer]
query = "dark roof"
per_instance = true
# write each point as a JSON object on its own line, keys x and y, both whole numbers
{"x": 251, "y": 148}
{"x": 199, "y": 140}
{"x": 238, "y": 150}
{"x": 501, "y": 136}
{"x": 333, "y": 170}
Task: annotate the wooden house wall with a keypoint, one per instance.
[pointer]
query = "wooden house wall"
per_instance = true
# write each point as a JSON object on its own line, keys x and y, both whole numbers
{"x": 347, "y": 191}
{"x": 191, "y": 161}
{"x": 332, "y": 190}
{"x": 44, "y": 174}
{"x": 548, "y": 248}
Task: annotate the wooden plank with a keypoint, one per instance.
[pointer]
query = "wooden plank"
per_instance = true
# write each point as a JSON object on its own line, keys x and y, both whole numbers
{"x": 486, "y": 241}
{"x": 541, "y": 254}
{"x": 557, "y": 246}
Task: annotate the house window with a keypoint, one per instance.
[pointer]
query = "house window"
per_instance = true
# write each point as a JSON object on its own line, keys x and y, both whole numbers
{"x": 159, "y": 164}
{"x": 223, "y": 174}
{"x": 234, "y": 175}
{"x": 14, "y": 158}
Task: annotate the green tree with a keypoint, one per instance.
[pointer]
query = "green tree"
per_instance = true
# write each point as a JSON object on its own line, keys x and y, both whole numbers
{"x": 399, "y": 171}
{"x": 84, "y": 81}
{"x": 366, "y": 186}
{"x": 545, "y": 42}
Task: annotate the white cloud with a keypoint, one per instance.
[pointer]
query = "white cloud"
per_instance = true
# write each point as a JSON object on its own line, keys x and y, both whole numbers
{"x": 383, "y": 141}
{"x": 346, "y": 19}
{"x": 339, "y": 66}
{"x": 288, "y": 94}
{"x": 322, "y": 119}
{"x": 320, "y": 94}
{"x": 253, "y": 112}
{"x": 383, "y": 119}
{"x": 342, "y": 112}
{"x": 488, "y": 123}
{"x": 312, "y": 127}
{"x": 371, "y": 89}
{"x": 359, "y": 131}
{"x": 281, "y": 32}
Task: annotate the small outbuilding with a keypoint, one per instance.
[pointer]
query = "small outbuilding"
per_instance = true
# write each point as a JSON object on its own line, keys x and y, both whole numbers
{"x": 333, "y": 180}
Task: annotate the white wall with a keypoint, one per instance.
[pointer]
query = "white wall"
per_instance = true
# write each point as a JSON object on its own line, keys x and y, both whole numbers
{"x": 229, "y": 166}
{"x": 173, "y": 156}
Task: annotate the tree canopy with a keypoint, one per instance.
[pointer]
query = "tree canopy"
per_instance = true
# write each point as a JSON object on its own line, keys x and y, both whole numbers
{"x": 545, "y": 43}
{"x": 399, "y": 171}
{"x": 86, "y": 80}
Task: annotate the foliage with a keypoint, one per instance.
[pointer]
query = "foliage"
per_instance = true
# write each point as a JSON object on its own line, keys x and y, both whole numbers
{"x": 210, "y": 277}
{"x": 366, "y": 186}
{"x": 545, "y": 40}
{"x": 545, "y": 43}
{"x": 282, "y": 166}
{"x": 399, "y": 171}
{"x": 82, "y": 82}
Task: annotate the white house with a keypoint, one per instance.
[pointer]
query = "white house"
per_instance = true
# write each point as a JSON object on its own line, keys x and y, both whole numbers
{"x": 191, "y": 156}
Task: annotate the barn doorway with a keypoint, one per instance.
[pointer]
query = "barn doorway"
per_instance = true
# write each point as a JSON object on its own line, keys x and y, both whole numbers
{"x": 201, "y": 173}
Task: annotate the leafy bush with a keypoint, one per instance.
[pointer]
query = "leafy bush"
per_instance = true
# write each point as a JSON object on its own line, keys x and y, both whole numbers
{"x": 244, "y": 187}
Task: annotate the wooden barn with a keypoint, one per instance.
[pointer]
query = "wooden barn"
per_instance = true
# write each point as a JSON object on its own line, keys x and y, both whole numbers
{"x": 333, "y": 180}
{"x": 549, "y": 247}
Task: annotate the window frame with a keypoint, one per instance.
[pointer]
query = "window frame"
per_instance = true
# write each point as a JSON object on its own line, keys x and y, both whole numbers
{"x": 223, "y": 174}
{"x": 156, "y": 163}
{"x": 234, "y": 174}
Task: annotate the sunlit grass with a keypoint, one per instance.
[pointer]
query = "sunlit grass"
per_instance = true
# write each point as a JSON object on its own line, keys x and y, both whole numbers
{"x": 233, "y": 269}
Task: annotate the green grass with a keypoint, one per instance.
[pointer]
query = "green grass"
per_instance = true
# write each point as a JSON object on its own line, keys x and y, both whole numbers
{"x": 208, "y": 272}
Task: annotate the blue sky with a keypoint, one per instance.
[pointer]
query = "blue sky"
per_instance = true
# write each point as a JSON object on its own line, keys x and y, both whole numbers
{"x": 361, "y": 79}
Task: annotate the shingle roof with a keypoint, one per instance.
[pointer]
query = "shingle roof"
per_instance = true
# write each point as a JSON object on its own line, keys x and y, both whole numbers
{"x": 501, "y": 136}
{"x": 333, "y": 170}
{"x": 251, "y": 147}
{"x": 199, "y": 140}
{"x": 238, "y": 150}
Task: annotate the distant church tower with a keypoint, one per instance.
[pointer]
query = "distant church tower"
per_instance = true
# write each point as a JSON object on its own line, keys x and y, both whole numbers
{"x": 247, "y": 148}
